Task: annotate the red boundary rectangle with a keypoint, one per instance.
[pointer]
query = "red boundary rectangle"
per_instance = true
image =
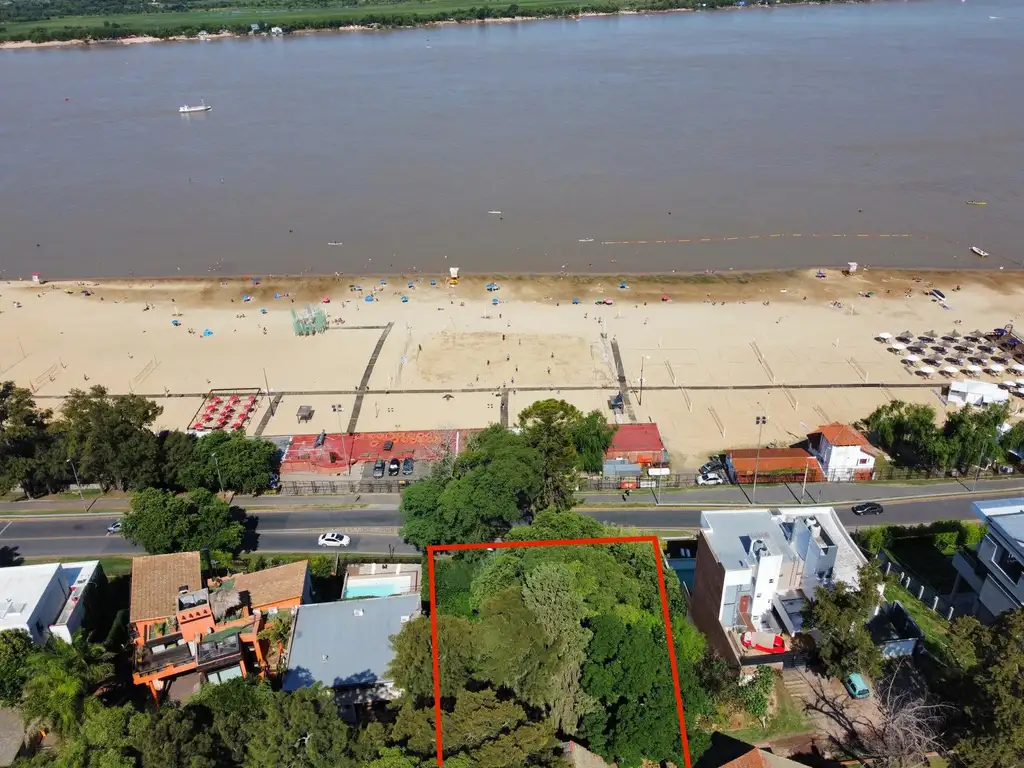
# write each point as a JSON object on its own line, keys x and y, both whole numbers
{"x": 652, "y": 540}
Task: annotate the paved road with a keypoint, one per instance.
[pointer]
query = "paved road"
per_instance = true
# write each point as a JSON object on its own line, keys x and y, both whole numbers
{"x": 373, "y": 530}
{"x": 815, "y": 493}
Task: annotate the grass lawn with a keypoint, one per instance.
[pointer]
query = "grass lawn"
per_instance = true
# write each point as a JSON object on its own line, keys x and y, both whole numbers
{"x": 112, "y": 566}
{"x": 935, "y": 627}
{"x": 789, "y": 719}
{"x": 212, "y": 21}
{"x": 88, "y": 493}
{"x": 921, "y": 556}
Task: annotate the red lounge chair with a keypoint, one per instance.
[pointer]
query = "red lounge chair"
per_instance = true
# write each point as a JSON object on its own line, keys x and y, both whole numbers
{"x": 766, "y": 642}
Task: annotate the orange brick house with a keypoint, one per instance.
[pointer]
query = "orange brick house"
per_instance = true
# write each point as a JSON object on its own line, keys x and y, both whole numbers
{"x": 189, "y": 630}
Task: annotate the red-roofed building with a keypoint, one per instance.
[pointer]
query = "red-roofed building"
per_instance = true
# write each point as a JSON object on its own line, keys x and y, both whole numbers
{"x": 845, "y": 454}
{"x": 638, "y": 444}
{"x": 775, "y": 465}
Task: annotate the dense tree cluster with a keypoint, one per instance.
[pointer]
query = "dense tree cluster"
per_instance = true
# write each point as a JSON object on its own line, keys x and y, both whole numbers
{"x": 109, "y": 440}
{"x": 969, "y": 437}
{"x": 505, "y": 477}
{"x": 572, "y": 635}
{"x": 124, "y": 17}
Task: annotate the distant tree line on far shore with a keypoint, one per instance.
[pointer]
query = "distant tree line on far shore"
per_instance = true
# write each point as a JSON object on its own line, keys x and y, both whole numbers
{"x": 27, "y": 11}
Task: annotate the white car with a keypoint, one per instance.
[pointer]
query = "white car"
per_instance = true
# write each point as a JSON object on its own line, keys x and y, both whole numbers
{"x": 710, "y": 478}
{"x": 114, "y": 527}
{"x": 333, "y": 539}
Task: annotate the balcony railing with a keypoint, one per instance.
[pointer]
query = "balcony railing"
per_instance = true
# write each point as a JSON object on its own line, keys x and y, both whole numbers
{"x": 147, "y": 660}
{"x": 217, "y": 652}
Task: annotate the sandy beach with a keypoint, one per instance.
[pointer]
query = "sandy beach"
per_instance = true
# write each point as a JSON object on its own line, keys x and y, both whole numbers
{"x": 718, "y": 351}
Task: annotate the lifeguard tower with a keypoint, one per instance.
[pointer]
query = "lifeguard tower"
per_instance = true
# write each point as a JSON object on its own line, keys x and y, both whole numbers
{"x": 453, "y": 276}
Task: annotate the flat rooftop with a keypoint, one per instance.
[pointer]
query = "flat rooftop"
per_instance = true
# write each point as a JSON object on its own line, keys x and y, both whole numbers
{"x": 346, "y": 643}
{"x": 729, "y": 533}
{"x": 1004, "y": 515}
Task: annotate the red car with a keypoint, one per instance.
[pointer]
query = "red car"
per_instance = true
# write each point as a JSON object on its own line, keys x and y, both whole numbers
{"x": 765, "y": 642}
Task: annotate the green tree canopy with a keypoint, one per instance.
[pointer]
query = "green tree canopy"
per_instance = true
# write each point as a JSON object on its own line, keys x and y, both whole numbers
{"x": 840, "y": 614}
{"x": 300, "y": 729}
{"x": 62, "y": 676}
{"x": 990, "y": 687}
{"x": 548, "y": 426}
{"x": 15, "y": 647}
{"x": 23, "y": 438}
{"x": 245, "y": 464}
{"x": 493, "y": 485}
{"x": 110, "y": 437}
{"x": 162, "y": 522}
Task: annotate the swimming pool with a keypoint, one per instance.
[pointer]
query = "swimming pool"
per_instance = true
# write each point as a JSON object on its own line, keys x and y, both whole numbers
{"x": 376, "y": 587}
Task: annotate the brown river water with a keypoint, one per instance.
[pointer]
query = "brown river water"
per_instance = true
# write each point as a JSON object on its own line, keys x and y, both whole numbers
{"x": 708, "y": 132}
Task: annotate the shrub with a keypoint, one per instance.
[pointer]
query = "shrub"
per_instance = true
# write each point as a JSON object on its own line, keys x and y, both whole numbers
{"x": 946, "y": 542}
{"x": 875, "y": 538}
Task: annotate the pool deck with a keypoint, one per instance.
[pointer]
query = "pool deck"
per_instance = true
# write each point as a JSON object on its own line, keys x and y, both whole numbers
{"x": 378, "y": 573}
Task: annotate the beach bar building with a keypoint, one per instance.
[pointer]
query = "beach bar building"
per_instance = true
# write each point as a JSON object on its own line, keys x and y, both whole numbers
{"x": 772, "y": 465}
{"x": 638, "y": 444}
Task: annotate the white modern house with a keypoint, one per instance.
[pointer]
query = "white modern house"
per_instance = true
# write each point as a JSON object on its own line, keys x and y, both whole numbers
{"x": 995, "y": 571}
{"x": 844, "y": 453}
{"x": 46, "y": 599}
{"x": 757, "y": 568}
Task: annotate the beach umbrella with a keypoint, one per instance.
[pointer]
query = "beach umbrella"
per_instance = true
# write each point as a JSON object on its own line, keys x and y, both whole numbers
{"x": 927, "y": 335}
{"x": 411, "y": 284}
{"x": 911, "y": 359}
{"x": 884, "y": 336}
{"x": 972, "y": 368}
{"x": 207, "y": 332}
{"x": 263, "y": 311}
{"x": 897, "y": 347}
{"x": 577, "y": 301}
{"x": 926, "y": 370}
{"x": 666, "y": 298}
{"x": 368, "y": 299}
{"x": 255, "y": 281}
{"x": 996, "y": 368}
{"x": 433, "y": 282}
{"x": 494, "y": 301}
{"x": 905, "y": 335}
{"x": 175, "y": 323}
{"x": 405, "y": 299}
{"x": 326, "y": 299}
{"x": 609, "y": 302}
{"x": 1017, "y": 368}
{"x": 952, "y": 370}
{"x": 1020, "y": 383}
{"x": 941, "y": 348}
{"x": 246, "y": 297}
{"x": 623, "y": 285}
{"x": 383, "y": 282}
{"x": 952, "y": 335}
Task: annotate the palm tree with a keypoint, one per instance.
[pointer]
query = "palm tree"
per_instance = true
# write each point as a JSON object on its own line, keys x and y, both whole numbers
{"x": 62, "y": 676}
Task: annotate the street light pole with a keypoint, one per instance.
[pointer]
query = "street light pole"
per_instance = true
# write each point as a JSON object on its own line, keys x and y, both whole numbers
{"x": 220, "y": 479}
{"x": 760, "y": 421}
{"x": 640, "y": 397}
{"x": 77, "y": 481}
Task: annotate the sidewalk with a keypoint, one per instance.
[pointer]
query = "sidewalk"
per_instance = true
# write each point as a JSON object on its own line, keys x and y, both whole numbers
{"x": 815, "y": 493}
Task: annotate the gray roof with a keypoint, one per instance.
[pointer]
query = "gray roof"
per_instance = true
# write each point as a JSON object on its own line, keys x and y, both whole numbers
{"x": 333, "y": 645}
{"x": 732, "y": 532}
{"x": 1005, "y": 516}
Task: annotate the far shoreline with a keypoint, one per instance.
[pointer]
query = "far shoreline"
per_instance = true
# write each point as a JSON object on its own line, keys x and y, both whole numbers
{"x": 343, "y": 29}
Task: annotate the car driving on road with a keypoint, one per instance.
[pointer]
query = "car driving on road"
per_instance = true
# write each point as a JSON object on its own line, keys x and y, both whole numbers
{"x": 868, "y": 508}
{"x": 114, "y": 527}
{"x": 333, "y": 539}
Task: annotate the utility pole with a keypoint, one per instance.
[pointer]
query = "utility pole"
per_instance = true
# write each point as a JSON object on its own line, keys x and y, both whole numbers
{"x": 220, "y": 479}
{"x": 77, "y": 482}
{"x": 269, "y": 398}
{"x": 803, "y": 489}
{"x": 760, "y": 421}
{"x": 640, "y": 397}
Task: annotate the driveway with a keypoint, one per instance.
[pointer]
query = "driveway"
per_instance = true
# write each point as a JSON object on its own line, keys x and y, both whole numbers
{"x": 828, "y": 706}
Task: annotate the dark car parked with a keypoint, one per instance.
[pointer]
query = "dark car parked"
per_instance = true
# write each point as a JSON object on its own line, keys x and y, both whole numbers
{"x": 870, "y": 508}
{"x": 407, "y": 466}
{"x": 378, "y": 468}
{"x": 393, "y": 466}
